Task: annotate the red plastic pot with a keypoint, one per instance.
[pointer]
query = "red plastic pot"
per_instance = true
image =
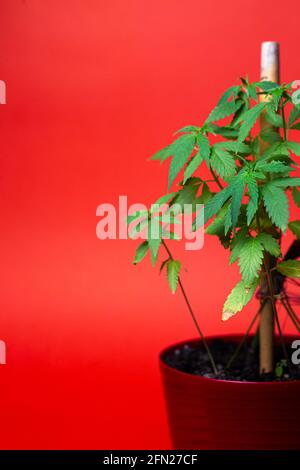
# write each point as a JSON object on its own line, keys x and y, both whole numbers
{"x": 210, "y": 414}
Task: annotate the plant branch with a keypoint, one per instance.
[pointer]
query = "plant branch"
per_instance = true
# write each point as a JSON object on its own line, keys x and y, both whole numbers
{"x": 293, "y": 281}
{"x": 192, "y": 313}
{"x": 285, "y": 302}
{"x": 283, "y": 345}
{"x": 216, "y": 179}
{"x": 266, "y": 325}
{"x": 296, "y": 325}
{"x": 242, "y": 342}
{"x": 292, "y": 310}
{"x": 271, "y": 291}
{"x": 284, "y": 123}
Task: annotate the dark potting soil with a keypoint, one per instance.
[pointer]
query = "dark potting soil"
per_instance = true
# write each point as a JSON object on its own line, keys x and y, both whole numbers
{"x": 193, "y": 359}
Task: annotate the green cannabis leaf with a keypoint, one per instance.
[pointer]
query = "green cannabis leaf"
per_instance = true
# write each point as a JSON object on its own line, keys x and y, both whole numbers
{"x": 250, "y": 259}
{"x": 252, "y": 205}
{"x": 223, "y": 110}
{"x": 296, "y": 196}
{"x": 238, "y": 298}
{"x": 141, "y": 252}
{"x": 222, "y": 162}
{"x": 269, "y": 243}
{"x": 250, "y": 118}
{"x": 295, "y": 228}
{"x": 173, "y": 270}
{"x": 181, "y": 150}
{"x": 277, "y": 205}
{"x": 192, "y": 166}
{"x": 204, "y": 146}
{"x": 290, "y": 268}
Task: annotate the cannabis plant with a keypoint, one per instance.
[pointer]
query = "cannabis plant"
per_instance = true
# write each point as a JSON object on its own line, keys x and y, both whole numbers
{"x": 246, "y": 197}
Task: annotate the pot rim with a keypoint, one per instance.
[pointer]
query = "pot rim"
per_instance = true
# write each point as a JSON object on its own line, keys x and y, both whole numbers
{"x": 197, "y": 378}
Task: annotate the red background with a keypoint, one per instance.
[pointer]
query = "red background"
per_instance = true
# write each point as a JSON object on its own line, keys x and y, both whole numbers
{"x": 93, "y": 89}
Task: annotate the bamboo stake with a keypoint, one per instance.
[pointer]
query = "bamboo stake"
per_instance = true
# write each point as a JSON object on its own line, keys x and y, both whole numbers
{"x": 269, "y": 71}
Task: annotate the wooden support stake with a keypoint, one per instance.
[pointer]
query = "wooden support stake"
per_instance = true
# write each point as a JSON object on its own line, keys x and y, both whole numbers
{"x": 269, "y": 71}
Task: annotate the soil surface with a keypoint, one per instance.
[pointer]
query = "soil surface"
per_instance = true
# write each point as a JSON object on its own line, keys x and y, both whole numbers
{"x": 193, "y": 359}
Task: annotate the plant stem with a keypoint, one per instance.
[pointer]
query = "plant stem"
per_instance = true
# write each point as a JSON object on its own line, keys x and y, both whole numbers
{"x": 284, "y": 123}
{"x": 293, "y": 281}
{"x": 269, "y": 71}
{"x": 283, "y": 346}
{"x": 213, "y": 365}
{"x": 292, "y": 310}
{"x": 289, "y": 312}
{"x": 271, "y": 291}
{"x": 216, "y": 179}
{"x": 236, "y": 352}
{"x": 266, "y": 324}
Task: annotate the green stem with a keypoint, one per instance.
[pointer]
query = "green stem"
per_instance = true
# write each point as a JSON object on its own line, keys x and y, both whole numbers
{"x": 284, "y": 123}
{"x": 285, "y": 353}
{"x": 291, "y": 316}
{"x": 242, "y": 342}
{"x": 242, "y": 159}
{"x": 271, "y": 291}
{"x": 213, "y": 364}
{"x": 285, "y": 302}
{"x": 272, "y": 298}
{"x": 216, "y": 179}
